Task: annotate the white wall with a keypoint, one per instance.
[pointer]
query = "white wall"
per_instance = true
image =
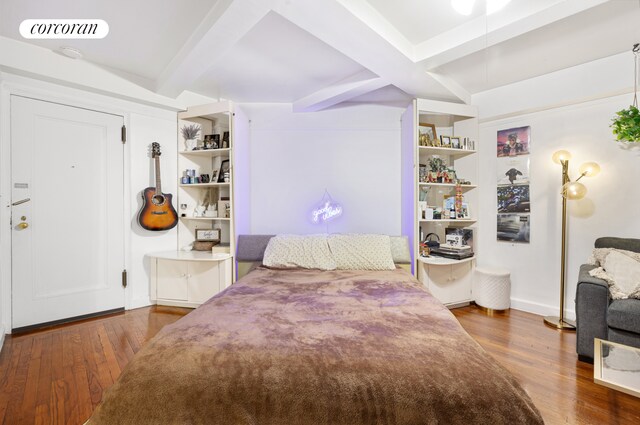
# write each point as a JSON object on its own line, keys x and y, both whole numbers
{"x": 145, "y": 129}
{"x": 609, "y": 209}
{"x": 353, "y": 152}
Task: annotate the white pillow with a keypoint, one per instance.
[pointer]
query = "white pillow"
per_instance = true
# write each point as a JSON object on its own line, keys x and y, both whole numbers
{"x": 622, "y": 273}
{"x": 306, "y": 251}
{"x": 362, "y": 252}
{"x": 400, "y": 249}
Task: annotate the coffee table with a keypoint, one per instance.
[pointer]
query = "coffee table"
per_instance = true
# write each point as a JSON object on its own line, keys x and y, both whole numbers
{"x": 617, "y": 366}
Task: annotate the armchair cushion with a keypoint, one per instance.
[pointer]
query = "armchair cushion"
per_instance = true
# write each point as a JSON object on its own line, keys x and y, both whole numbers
{"x": 625, "y": 315}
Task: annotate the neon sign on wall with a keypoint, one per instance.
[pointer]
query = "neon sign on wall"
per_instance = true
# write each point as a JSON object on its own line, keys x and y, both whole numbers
{"x": 327, "y": 210}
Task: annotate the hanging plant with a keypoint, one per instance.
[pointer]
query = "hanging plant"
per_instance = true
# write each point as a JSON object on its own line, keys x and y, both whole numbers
{"x": 626, "y": 123}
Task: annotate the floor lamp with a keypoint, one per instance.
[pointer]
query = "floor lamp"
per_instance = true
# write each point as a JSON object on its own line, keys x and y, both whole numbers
{"x": 570, "y": 190}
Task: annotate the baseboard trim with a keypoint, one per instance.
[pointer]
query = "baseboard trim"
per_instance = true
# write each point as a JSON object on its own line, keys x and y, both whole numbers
{"x": 540, "y": 309}
{"x": 41, "y": 326}
{"x": 139, "y": 302}
{"x": 1, "y": 337}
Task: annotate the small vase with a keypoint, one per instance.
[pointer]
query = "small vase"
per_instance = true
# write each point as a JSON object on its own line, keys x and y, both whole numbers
{"x": 190, "y": 144}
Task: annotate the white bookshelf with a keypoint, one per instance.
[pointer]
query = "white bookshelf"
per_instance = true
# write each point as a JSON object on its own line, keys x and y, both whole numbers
{"x": 449, "y": 280}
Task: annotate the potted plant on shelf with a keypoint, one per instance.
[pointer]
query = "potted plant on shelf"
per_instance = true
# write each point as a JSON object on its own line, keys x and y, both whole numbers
{"x": 190, "y": 134}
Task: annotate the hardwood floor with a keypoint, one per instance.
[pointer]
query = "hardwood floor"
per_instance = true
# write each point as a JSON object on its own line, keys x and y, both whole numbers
{"x": 57, "y": 375}
{"x": 544, "y": 360}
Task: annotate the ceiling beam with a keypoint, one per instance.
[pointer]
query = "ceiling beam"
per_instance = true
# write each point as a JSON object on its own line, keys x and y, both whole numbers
{"x": 453, "y": 86}
{"x": 480, "y": 33}
{"x": 357, "y": 40}
{"x": 354, "y": 86}
{"x": 225, "y": 24}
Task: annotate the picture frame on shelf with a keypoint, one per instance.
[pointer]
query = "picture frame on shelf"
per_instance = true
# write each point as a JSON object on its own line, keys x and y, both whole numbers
{"x": 455, "y": 143}
{"x": 426, "y": 134}
{"x": 207, "y": 235}
{"x": 224, "y": 168}
{"x": 445, "y": 141}
{"x": 208, "y": 141}
{"x": 464, "y": 212}
{"x": 224, "y": 144}
{"x": 224, "y": 208}
{"x": 214, "y": 176}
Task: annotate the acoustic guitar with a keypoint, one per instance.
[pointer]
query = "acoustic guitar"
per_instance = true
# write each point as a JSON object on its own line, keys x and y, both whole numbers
{"x": 157, "y": 212}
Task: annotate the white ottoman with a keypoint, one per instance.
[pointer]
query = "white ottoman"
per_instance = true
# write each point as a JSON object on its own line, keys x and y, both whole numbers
{"x": 492, "y": 288}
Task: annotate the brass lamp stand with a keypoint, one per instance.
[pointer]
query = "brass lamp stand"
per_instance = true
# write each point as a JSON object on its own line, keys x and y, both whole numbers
{"x": 570, "y": 190}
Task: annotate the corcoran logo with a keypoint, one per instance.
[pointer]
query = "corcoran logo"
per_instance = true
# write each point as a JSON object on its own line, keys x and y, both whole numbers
{"x": 64, "y": 28}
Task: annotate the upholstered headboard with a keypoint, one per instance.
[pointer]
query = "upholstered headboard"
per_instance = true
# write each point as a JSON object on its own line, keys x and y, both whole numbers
{"x": 250, "y": 252}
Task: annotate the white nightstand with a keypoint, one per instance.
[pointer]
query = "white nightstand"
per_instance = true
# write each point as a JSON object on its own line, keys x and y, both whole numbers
{"x": 448, "y": 280}
{"x": 187, "y": 279}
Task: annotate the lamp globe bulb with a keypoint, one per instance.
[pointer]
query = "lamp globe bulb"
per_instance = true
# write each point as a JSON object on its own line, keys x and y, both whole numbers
{"x": 590, "y": 169}
{"x": 574, "y": 190}
{"x": 560, "y": 156}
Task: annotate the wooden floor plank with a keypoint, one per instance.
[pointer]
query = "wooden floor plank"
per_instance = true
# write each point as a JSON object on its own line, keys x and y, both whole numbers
{"x": 545, "y": 362}
{"x": 76, "y": 363}
{"x": 18, "y": 386}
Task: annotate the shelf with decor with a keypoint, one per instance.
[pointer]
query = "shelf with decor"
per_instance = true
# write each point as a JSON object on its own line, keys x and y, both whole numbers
{"x": 441, "y": 261}
{"x": 212, "y": 183}
{"x": 206, "y": 218}
{"x": 207, "y": 152}
{"x": 434, "y": 150}
{"x": 439, "y": 157}
{"x": 454, "y": 221}
{"x": 465, "y": 187}
{"x": 197, "y": 185}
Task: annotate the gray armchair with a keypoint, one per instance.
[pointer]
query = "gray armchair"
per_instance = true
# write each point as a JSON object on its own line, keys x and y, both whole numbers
{"x": 597, "y": 315}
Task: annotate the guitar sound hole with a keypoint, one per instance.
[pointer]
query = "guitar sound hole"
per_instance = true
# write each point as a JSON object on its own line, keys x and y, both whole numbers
{"x": 158, "y": 199}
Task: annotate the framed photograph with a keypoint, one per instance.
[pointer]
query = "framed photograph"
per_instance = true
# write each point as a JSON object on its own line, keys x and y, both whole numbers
{"x": 456, "y": 143}
{"x": 514, "y": 227}
{"x": 514, "y": 199}
{"x": 426, "y": 134}
{"x": 514, "y": 141}
{"x": 464, "y": 211}
{"x": 513, "y": 170}
{"x": 214, "y": 176}
{"x": 224, "y": 208}
{"x": 445, "y": 141}
{"x": 224, "y": 168}
{"x": 207, "y": 235}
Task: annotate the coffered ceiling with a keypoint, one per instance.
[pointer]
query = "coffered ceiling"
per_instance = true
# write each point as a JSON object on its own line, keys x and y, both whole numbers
{"x": 319, "y": 53}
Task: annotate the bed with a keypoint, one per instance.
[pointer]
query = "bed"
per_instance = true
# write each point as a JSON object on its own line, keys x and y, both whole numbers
{"x": 306, "y": 346}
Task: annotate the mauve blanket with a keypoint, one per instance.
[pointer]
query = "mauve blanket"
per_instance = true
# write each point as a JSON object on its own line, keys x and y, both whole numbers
{"x": 316, "y": 347}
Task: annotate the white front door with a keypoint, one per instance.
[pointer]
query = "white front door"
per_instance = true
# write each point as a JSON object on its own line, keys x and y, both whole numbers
{"x": 67, "y": 212}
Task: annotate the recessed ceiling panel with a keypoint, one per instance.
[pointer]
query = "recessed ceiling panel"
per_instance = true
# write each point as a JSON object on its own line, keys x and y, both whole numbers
{"x": 603, "y": 31}
{"x": 144, "y": 35}
{"x": 420, "y": 20}
{"x": 276, "y": 62}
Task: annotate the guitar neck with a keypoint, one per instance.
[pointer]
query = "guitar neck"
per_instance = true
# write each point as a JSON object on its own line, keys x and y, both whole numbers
{"x": 158, "y": 184}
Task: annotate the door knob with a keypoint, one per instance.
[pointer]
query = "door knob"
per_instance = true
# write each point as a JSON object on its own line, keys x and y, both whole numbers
{"x": 23, "y": 225}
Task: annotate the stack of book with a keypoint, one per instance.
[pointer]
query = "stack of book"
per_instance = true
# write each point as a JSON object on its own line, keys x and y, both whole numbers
{"x": 453, "y": 252}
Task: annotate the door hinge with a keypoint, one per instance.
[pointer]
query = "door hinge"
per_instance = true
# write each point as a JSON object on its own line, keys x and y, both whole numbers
{"x": 124, "y": 278}
{"x": 124, "y": 134}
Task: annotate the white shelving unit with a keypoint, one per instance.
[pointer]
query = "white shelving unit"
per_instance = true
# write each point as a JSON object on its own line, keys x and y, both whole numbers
{"x": 448, "y": 280}
{"x": 188, "y": 278}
